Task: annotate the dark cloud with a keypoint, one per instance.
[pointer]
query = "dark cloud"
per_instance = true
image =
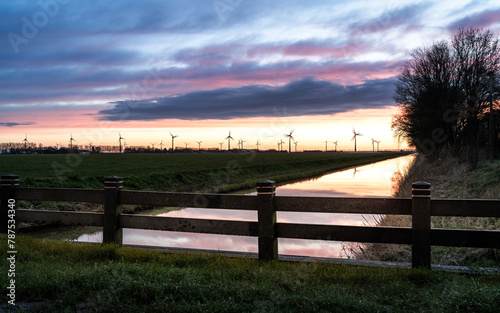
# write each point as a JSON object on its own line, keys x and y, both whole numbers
{"x": 13, "y": 124}
{"x": 405, "y": 17}
{"x": 99, "y": 51}
{"x": 122, "y": 17}
{"x": 480, "y": 20}
{"x": 303, "y": 97}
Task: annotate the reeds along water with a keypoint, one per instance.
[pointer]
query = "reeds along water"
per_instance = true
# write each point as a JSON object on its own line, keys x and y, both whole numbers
{"x": 449, "y": 178}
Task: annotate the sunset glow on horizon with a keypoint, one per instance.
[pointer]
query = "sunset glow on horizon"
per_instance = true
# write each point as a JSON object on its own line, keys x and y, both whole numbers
{"x": 259, "y": 69}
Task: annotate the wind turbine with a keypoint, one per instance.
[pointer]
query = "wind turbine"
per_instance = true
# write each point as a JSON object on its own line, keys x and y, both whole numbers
{"x": 58, "y": 145}
{"x": 71, "y": 141}
{"x": 199, "y": 144}
{"x": 229, "y": 138}
{"x": 290, "y": 137}
{"x": 173, "y": 136}
{"x": 326, "y": 145}
{"x": 120, "y": 141}
{"x": 153, "y": 145}
{"x": 25, "y": 141}
{"x": 378, "y": 142}
{"x": 90, "y": 146}
{"x": 186, "y": 143}
{"x": 220, "y": 144}
{"x": 335, "y": 143}
{"x": 242, "y": 141}
{"x": 161, "y": 144}
{"x": 354, "y": 172}
{"x": 257, "y": 144}
{"x": 295, "y": 143}
{"x": 281, "y": 143}
{"x": 373, "y": 144}
{"x": 354, "y": 138}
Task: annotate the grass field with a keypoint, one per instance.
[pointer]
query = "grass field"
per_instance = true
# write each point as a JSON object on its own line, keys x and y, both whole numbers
{"x": 177, "y": 172}
{"x": 450, "y": 179}
{"x": 64, "y": 277}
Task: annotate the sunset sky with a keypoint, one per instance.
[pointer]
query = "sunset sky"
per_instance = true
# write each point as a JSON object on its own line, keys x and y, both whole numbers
{"x": 200, "y": 68}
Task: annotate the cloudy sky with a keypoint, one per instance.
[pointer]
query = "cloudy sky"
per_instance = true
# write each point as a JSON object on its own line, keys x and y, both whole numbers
{"x": 200, "y": 68}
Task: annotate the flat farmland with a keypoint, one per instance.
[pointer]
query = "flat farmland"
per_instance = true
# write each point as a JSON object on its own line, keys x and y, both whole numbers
{"x": 178, "y": 172}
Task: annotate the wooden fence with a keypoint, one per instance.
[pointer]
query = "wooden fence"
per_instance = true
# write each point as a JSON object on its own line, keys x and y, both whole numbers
{"x": 420, "y": 207}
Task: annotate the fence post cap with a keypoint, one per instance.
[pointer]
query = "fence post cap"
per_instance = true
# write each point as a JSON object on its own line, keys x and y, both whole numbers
{"x": 265, "y": 186}
{"x": 421, "y": 189}
{"x": 266, "y": 183}
{"x": 10, "y": 176}
{"x": 9, "y": 180}
{"x": 421, "y": 185}
{"x": 111, "y": 182}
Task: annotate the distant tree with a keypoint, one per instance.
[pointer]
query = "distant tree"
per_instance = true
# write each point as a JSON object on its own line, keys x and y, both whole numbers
{"x": 477, "y": 53}
{"x": 424, "y": 93}
{"x": 443, "y": 93}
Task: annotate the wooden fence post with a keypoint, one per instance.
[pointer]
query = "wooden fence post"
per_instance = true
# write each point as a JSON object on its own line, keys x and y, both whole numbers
{"x": 7, "y": 192}
{"x": 421, "y": 225}
{"x": 112, "y": 232}
{"x": 268, "y": 243}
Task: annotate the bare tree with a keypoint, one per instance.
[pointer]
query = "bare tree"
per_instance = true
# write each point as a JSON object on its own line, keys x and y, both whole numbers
{"x": 442, "y": 94}
{"x": 477, "y": 53}
{"x": 424, "y": 92}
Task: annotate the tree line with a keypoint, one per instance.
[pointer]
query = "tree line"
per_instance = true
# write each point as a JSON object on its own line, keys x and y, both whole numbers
{"x": 443, "y": 95}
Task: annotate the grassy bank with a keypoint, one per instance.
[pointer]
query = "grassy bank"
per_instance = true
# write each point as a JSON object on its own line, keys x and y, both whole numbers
{"x": 450, "y": 179}
{"x": 177, "y": 172}
{"x": 65, "y": 277}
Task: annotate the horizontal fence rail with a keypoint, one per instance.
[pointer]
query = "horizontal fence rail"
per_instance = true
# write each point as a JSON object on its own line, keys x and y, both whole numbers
{"x": 59, "y": 217}
{"x": 344, "y": 205}
{"x": 420, "y": 207}
{"x": 62, "y": 194}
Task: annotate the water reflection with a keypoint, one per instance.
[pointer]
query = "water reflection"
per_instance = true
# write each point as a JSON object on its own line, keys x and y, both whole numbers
{"x": 374, "y": 180}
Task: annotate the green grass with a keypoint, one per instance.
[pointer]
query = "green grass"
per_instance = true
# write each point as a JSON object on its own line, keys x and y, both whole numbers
{"x": 451, "y": 179}
{"x": 177, "y": 172}
{"x": 65, "y": 277}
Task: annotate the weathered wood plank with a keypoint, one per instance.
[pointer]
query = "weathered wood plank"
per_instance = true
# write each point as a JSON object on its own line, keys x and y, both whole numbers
{"x": 463, "y": 207}
{"x": 421, "y": 225}
{"x": 465, "y": 238}
{"x": 60, "y": 217}
{"x": 344, "y": 205}
{"x": 112, "y": 232}
{"x": 266, "y": 216}
{"x": 344, "y": 233}
{"x": 169, "y": 199}
{"x": 192, "y": 225}
{"x": 60, "y": 194}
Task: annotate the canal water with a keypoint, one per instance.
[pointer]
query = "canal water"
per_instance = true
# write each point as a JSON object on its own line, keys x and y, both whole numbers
{"x": 373, "y": 180}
